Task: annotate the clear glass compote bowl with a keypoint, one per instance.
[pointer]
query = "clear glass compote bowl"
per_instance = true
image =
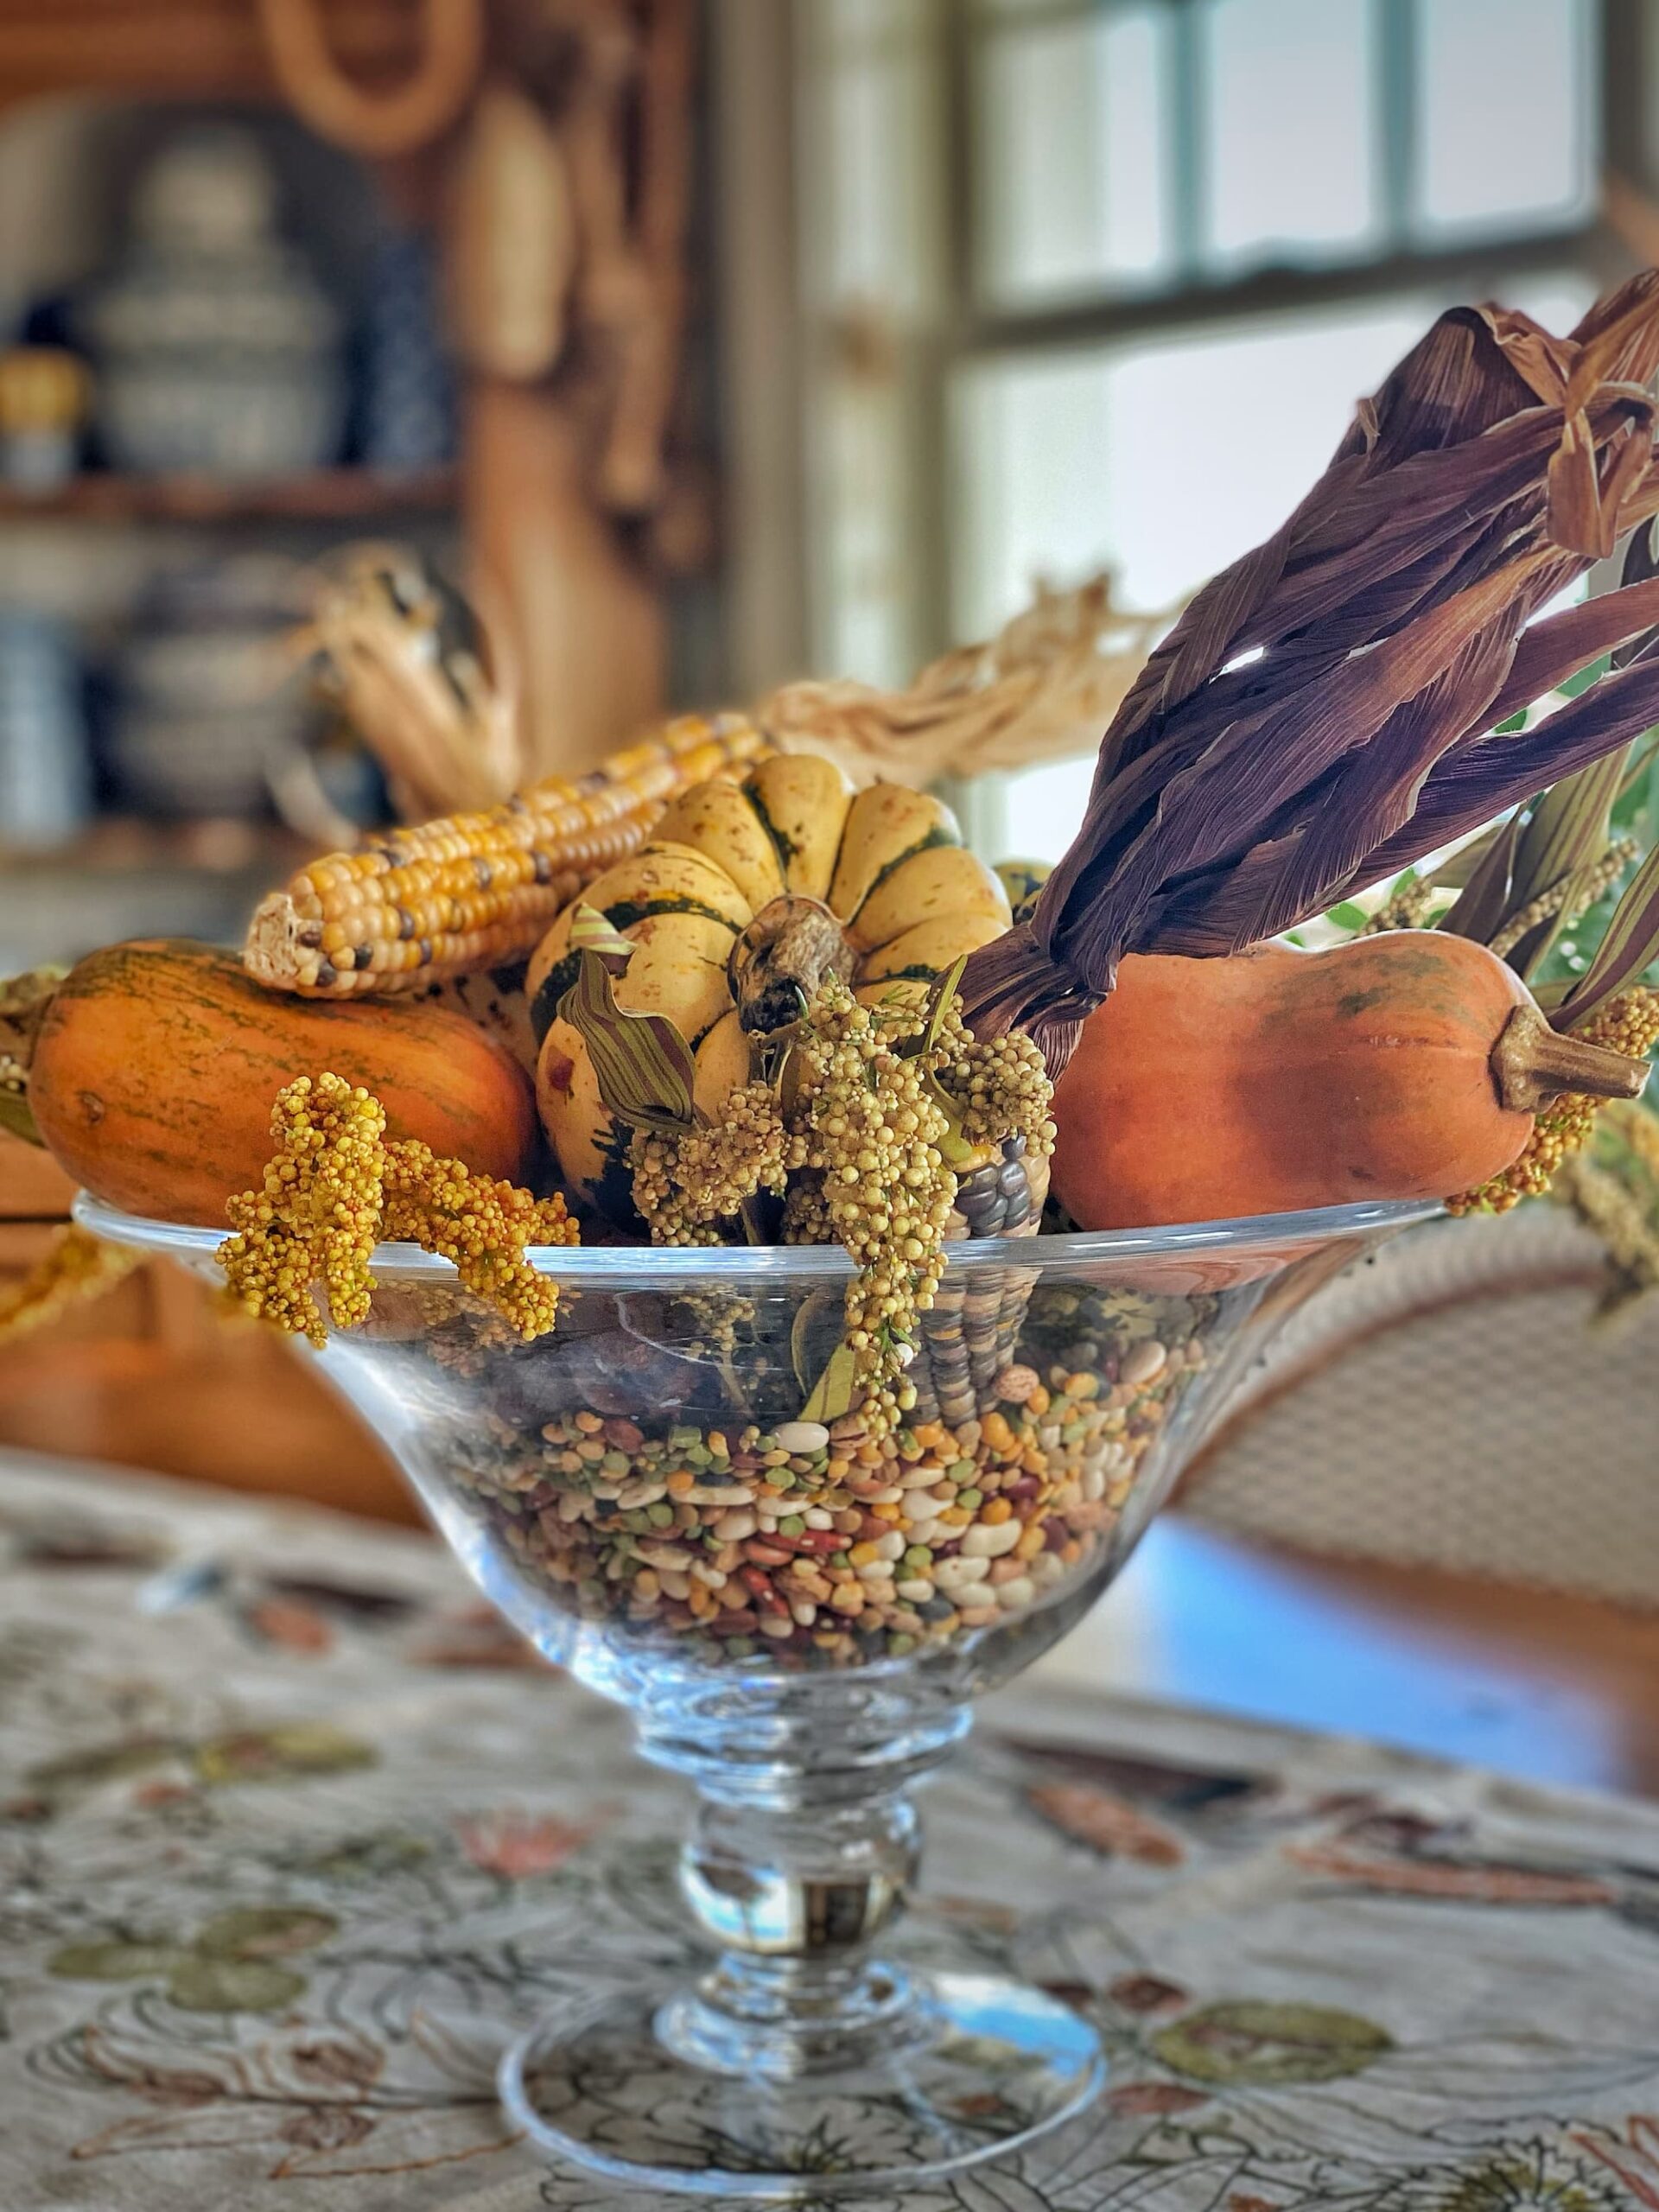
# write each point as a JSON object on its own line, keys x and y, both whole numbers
{"x": 799, "y": 1616}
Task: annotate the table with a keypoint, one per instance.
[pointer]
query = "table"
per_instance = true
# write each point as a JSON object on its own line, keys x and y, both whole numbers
{"x": 291, "y": 1837}
{"x": 1557, "y": 1689}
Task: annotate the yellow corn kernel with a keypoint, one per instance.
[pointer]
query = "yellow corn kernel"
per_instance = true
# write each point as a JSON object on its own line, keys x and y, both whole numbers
{"x": 473, "y": 890}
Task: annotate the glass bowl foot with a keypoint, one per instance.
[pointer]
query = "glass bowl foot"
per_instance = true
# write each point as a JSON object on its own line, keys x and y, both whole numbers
{"x": 974, "y": 2068}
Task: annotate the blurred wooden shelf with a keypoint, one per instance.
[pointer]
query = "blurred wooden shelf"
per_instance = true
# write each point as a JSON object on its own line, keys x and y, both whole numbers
{"x": 115, "y": 844}
{"x": 321, "y": 495}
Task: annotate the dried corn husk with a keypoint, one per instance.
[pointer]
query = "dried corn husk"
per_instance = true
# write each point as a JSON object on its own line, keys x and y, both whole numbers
{"x": 443, "y": 727}
{"x": 1325, "y": 712}
{"x": 1038, "y": 691}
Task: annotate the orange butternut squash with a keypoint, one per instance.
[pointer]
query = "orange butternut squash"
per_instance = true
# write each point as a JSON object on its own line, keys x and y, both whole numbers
{"x": 156, "y": 1063}
{"x": 1404, "y": 1065}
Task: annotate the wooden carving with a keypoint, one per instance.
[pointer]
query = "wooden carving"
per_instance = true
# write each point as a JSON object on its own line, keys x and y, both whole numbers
{"x": 560, "y": 131}
{"x": 384, "y": 124}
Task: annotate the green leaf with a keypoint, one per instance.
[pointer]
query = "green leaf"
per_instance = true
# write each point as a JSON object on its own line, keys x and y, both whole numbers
{"x": 264, "y": 1932}
{"x": 1528, "y": 953}
{"x": 1629, "y": 948}
{"x": 1243, "y": 2043}
{"x": 1582, "y": 680}
{"x": 233, "y": 1985}
{"x": 114, "y": 1962}
{"x": 286, "y": 1754}
{"x": 1348, "y": 916}
{"x": 641, "y": 1063}
{"x": 834, "y": 1395}
{"x": 102, "y": 1762}
{"x": 940, "y": 1000}
{"x": 1640, "y": 766}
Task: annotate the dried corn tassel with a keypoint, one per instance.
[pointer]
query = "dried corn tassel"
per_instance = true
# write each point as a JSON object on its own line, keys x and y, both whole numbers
{"x": 335, "y": 1186}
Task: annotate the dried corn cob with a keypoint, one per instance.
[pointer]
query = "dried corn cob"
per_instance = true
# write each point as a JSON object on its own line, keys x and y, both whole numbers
{"x": 473, "y": 890}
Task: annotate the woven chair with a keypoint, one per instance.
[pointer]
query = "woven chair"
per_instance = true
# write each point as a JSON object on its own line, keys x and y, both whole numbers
{"x": 1455, "y": 1402}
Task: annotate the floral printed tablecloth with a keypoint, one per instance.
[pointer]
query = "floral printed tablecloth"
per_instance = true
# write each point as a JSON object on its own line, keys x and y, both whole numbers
{"x": 291, "y": 1836}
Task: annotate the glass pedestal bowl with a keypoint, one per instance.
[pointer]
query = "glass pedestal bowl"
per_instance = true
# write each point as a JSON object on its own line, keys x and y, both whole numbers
{"x": 799, "y": 1616}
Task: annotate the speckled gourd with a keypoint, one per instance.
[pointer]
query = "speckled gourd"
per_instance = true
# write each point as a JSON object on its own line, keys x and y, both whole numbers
{"x": 749, "y": 895}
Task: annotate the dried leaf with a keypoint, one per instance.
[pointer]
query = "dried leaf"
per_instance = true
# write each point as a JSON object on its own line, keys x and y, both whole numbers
{"x": 1629, "y": 948}
{"x": 1479, "y": 911}
{"x": 641, "y": 1063}
{"x": 1568, "y": 828}
{"x": 1486, "y": 775}
{"x": 833, "y": 1394}
{"x": 1318, "y": 720}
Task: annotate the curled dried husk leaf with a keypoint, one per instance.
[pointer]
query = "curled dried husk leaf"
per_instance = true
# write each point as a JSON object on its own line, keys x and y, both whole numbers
{"x": 1324, "y": 713}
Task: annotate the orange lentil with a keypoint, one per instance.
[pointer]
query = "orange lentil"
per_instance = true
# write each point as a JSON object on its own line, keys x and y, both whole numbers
{"x": 1039, "y": 1401}
{"x": 589, "y": 1424}
{"x": 996, "y": 1511}
{"x": 1032, "y": 1542}
{"x": 998, "y": 1435}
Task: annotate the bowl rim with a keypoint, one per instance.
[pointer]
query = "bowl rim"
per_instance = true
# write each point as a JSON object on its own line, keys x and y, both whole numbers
{"x": 599, "y": 1264}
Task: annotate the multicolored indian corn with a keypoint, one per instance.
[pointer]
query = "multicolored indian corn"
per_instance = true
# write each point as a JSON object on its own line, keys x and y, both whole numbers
{"x": 473, "y": 890}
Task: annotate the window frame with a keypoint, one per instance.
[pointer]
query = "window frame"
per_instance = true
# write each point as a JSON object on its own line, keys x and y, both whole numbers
{"x": 951, "y": 323}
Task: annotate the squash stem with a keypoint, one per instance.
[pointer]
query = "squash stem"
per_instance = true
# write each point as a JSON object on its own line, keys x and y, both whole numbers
{"x": 783, "y": 957}
{"x": 1532, "y": 1064}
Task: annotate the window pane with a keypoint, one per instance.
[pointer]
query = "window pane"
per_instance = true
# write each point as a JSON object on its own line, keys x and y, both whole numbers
{"x": 1165, "y": 463}
{"x": 1072, "y": 163}
{"x": 872, "y": 88}
{"x": 1507, "y": 114}
{"x": 1043, "y": 809}
{"x": 1168, "y": 461}
{"x": 1288, "y": 155}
